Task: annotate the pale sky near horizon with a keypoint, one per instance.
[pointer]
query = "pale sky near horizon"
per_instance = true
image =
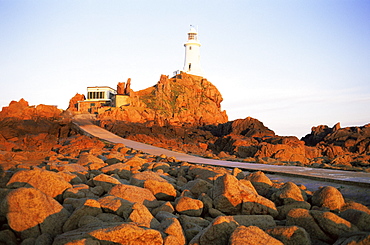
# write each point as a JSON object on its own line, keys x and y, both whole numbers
{"x": 290, "y": 64}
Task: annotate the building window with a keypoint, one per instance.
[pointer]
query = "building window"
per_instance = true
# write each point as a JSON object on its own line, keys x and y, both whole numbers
{"x": 96, "y": 95}
{"x": 189, "y": 47}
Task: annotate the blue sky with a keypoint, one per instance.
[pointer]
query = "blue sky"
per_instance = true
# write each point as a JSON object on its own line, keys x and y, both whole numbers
{"x": 290, "y": 64}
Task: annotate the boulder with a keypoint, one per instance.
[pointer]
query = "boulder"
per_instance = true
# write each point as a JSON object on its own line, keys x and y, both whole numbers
{"x": 328, "y": 197}
{"x": 121, "y": 169}
{"x": 167, "y": 207}
{"x": 207, "y": 173}
{"x": 357, "y": 217}
{"x": 90, "y": 207}
{"x": 44, "y": 239}
{"x": 355, "y": 205}
{"x": 110, "y": 218}
{"x": 8, "y": 237}
{"x": 70, "y": 178}
{"x": 354, "y": 239}
{"x": 162, "y": 190}
{"x": 172, "y": 228}
{"x": 134, "y": 194}
{"x": 188, "y": 206}
{"x": 48, "y": 182}
{"x": 31, "y": 213}
{"x": 303, "y": 218}
{"x": 261, "y": 221}
{"x": 88, "y": 220}
{"x": 105, "y": 181}
{"x": 290, "y": 235}
{"x": 73, "y": 168}
{"x": 127, "y": 233}
{"x": 197, "y": 186}
{"x": 116, "y": 205}
{"x": 256, "y": 204}
{"x": 288, "y": 193}
{"x": 218, "y": 232}
{"x": 162, "y": 215}
{"x": 227, "y": 196}
{"x": 332, "y": 224}
{"x": 192, "y": 225}
{"x": 232, "y": 197}
{"x": 111, "y": 233}
{"x": 251, "y": 235}
{"x": 136, "y": 161}
{"x": 284, "y": 210}
{"x": 260, "y": 181}
{"x": 142, "y": 216}
{"x": 90, "y": 161}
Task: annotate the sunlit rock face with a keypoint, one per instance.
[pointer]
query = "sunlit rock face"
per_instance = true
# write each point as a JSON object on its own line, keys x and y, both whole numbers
{"x": 181, "y": 100}
{"x": 73, "y": 102}
{"x": 21, "y": 110}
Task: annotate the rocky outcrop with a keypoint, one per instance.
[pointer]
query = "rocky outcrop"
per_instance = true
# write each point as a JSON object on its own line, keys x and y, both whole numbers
{"x": 124, "y": 88}
{"x": 95, "y": 193}
{"x": 73, "y": 102}
{"x": 22, "y": 110}
{"x": 248, "y": 127}
{"x": 181, "y": 100}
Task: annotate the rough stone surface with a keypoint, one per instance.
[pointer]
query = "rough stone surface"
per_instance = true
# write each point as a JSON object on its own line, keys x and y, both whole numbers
{"x": 31, "y": 212}
{"x": 251, "y": 235}
{"x": 162, "y": 190}
{"x": 303, "y": 218}
{"x": 184, "y": 99}
{"x": 288, "y": 193}
{"x": 141, "y": 216}
{"x": 134, "y": 194}
{"x": 116, "y": 205}
{"x": 105, "y": 181}
{"x": 51, "y": 183}
{"x": 328, "y": 197}
{"x": 357, "y": 217}
{"x": 172, "y": 228}
{"x": 127, "y": 233}
{"x": 189, "y": 206}
{"x": 89, "y": 207}
{"x": 219, "y": 231}
{"x": 332, "y": 224}
{"x": 290, "y": 235}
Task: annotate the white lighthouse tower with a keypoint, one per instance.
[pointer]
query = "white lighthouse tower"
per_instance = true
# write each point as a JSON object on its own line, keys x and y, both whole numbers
{"x": 192, "y": 54}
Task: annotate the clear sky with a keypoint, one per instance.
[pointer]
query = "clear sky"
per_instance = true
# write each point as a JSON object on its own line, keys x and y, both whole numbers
{"x": 292, "y": 64}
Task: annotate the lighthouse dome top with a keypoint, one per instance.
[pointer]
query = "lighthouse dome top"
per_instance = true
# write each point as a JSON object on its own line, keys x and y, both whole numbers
{"x": 192, "y": 30}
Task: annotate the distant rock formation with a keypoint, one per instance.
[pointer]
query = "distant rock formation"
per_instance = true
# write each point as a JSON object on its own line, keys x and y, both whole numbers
{"x": 73, "y": 103}
{"x": 248, "y": 127}
{"x": 182, "y": 100}
{"x": 22, "y": 110}
{"x": 124, "y": 88}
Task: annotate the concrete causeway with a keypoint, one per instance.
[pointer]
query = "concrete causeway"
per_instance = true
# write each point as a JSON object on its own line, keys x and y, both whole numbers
{"x": 346, "y": 177}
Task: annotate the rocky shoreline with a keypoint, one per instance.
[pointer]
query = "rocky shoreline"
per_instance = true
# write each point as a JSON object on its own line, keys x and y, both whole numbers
{"x": 92, "y": 192}
{"x": 60, "y": 187}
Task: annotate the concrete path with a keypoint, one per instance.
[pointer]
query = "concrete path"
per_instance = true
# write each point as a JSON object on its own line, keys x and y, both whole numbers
{"x": 349, "y": 177}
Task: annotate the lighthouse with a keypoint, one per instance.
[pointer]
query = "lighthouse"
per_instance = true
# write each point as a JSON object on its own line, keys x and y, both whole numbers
{"x": 192, "y": 54}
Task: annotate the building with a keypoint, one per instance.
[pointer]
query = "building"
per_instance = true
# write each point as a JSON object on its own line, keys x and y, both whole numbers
{"x": 97, "y": 97}
{"x": 192, "y": 54}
